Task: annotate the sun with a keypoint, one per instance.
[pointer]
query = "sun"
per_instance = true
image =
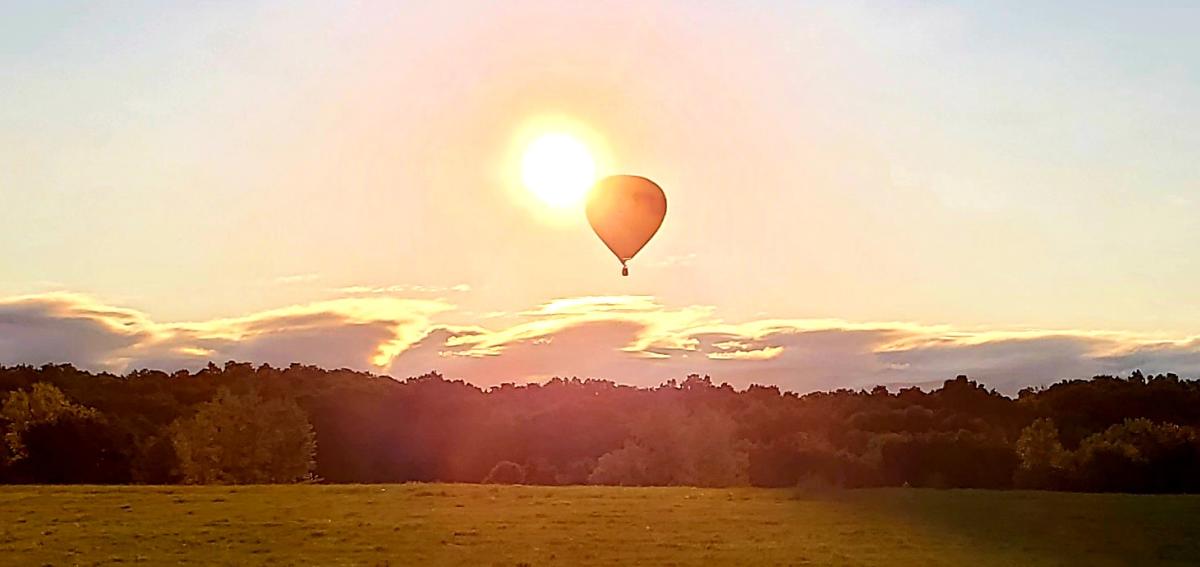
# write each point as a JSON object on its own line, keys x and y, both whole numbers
{"x": 558, "y": 168}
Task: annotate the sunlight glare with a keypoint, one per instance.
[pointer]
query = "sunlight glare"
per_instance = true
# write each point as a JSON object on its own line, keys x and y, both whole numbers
{"x": 558, "y": 168}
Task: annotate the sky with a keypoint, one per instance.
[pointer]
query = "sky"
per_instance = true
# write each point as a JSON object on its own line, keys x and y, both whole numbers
{"x": 859, "y": 192}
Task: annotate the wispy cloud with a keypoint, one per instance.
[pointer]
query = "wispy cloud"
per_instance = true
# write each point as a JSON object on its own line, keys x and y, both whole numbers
{"x": 359, "y": 333}
{"x": 765, "y": 353}
{"x": 632, "y": 339}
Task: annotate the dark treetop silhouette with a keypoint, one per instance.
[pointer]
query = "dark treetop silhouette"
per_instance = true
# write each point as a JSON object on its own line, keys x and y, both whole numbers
{"x": 240, "y": 423}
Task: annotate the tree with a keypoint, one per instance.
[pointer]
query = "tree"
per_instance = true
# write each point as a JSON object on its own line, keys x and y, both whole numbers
{"x": 75, "y": 450}
{"x": 676, "y": 447}
{"x": 802, "y": 459}
{"x": 245, "y": 439}
{"x": 943, "y": 459}
{"x": 1139, "y": 455}
{"x": 631, "y": 465}
{"x": 1043, "y": 459}
{"x": 505, "y": 472}
{"x": 43, "y": 404}
{"x": 106, "y": 428}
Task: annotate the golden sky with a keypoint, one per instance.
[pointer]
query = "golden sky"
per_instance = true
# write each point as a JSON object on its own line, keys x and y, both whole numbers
{"x": 843, "y": 179}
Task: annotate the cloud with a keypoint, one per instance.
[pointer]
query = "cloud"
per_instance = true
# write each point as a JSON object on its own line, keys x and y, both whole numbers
{"x": 361, "y": 333}
{"x": 630, "y": 339}
{"x": 64, "y": 327}
{"x": 765, "y": 353}
{"x": 591, "y": 348}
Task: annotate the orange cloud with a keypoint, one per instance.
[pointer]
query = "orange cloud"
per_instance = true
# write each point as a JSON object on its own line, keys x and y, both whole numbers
{"x": 352, "y": 332}
{"x": 632, "y": 339}
{"x": 765, "y": 353}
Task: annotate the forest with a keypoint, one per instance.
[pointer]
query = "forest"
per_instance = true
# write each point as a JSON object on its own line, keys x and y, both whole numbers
{"x": 246, "y": 424}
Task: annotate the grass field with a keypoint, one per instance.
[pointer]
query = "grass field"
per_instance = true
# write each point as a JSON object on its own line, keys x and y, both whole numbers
{"x": 488, "y": 525}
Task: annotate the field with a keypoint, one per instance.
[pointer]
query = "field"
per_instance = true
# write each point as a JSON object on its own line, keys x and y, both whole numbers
{"x": 489, "y": 525}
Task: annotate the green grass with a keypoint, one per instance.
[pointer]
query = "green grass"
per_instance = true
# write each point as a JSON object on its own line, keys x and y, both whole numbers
{"x": 485, "y": 525}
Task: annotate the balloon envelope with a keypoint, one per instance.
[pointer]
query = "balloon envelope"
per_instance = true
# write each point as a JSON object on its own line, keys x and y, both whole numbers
{"x": 626, "y": 211}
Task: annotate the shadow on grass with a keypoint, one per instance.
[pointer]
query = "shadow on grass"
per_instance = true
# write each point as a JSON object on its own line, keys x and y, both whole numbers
{"x": 1048, "y": 528}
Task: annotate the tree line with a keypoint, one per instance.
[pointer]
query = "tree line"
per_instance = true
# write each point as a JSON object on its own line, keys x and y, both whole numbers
{"x": 240, "y": 423}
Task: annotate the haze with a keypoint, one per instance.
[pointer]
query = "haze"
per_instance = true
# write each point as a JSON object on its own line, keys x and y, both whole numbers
{"x": 858, "y": 193}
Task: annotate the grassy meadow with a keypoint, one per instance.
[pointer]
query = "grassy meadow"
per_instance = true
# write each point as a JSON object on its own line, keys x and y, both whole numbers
{"x": 519, "y": 525}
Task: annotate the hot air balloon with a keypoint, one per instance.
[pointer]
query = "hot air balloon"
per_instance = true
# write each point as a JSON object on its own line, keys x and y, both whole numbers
{"x": 626, "y": 211}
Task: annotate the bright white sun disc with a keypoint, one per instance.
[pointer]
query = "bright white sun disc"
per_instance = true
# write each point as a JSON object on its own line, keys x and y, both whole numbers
{"x": 558, "y": 169}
